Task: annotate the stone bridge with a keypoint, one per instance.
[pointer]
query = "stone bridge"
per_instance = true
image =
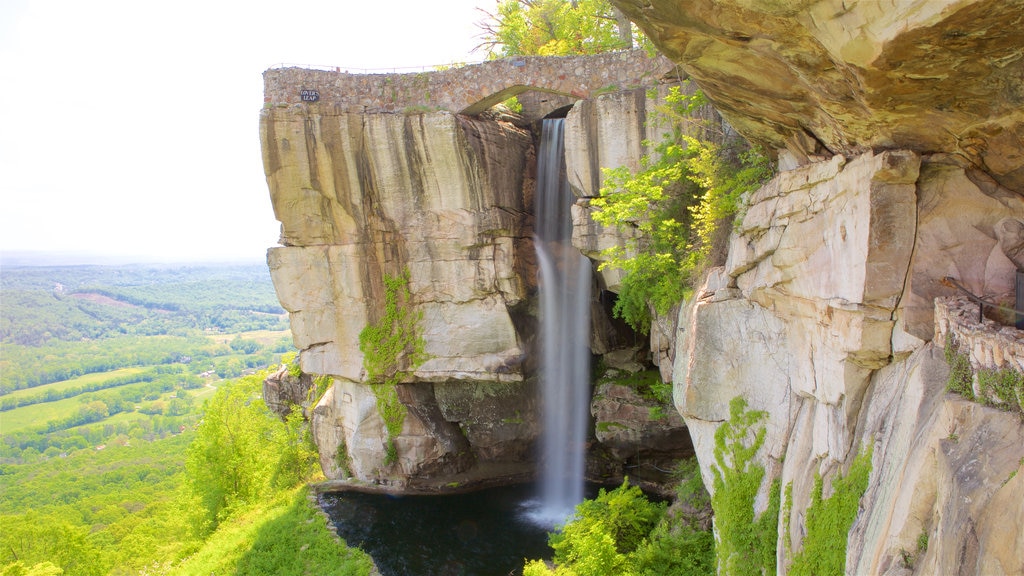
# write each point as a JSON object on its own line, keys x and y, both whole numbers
{"x": 469, "y": 89}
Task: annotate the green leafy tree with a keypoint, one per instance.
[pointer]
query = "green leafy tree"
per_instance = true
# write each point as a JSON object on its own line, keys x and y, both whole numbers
{"x": 675, "y": 208}
{"x": 556, "y": 28}
{"x": 242, "y": 451}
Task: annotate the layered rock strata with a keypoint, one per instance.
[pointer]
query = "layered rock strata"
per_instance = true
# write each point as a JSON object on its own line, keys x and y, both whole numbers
{"x": 823, "y": 77}
{"x": 436, "y": 196}
{"x": 814, "y": 320}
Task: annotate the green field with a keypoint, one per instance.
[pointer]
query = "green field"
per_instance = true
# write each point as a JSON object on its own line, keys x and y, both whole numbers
{"x": 85, "y": 380}
{"x": 37, "y": 415}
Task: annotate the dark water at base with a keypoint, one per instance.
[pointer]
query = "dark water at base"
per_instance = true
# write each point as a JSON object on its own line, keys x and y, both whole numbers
{"x": 484, "y": 533}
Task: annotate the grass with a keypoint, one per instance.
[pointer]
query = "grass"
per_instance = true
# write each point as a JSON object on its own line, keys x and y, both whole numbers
{"x": 285, "y": 537}
{"x": 37, "y": 415}
{"x": 84, "y": 380}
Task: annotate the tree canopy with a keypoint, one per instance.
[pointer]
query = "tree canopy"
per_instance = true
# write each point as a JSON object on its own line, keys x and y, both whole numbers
{"x": 556, "y": 28}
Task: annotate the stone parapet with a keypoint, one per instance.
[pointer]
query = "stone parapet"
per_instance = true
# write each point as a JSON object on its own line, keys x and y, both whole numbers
{"x": 469, "y": 89}
{"x": 989, "y": 344}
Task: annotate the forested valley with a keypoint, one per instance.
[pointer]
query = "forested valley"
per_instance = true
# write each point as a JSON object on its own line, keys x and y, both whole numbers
{"x": 133, "y": 435}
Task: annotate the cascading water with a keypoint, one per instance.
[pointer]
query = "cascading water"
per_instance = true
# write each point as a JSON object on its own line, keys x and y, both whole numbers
{"x": 565, "y": 277}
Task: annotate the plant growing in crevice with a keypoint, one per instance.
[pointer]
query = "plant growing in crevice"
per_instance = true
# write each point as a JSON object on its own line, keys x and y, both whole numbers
{"x": 341, "y": 459}
{"x": 320, "y": 385}
{"x": 746, "y": 542}
{"x": 960, "y": 373}
{"x": 675, "y": 207}
{"x": 1003, "y": 389}
{"x": 392, "y": 350}
{"x": 828, "y": 520}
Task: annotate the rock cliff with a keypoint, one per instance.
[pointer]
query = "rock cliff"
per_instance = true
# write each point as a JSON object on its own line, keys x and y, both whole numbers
{"x": 898, "y": 131}
{"x": 899, "y": 135}
{"x": 364, "y": 197}
{"x": 446, "y": 202}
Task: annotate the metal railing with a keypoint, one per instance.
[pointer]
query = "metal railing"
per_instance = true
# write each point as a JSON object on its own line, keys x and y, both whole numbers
{"x": 982, "y": 303}
{"x": 393, "y": 70}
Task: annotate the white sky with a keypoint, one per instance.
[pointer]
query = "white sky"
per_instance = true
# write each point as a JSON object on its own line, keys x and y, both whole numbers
{"x": 131, "y": 127}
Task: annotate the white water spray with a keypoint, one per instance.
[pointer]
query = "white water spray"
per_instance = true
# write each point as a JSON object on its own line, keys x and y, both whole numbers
{"x": 565, "y": 277}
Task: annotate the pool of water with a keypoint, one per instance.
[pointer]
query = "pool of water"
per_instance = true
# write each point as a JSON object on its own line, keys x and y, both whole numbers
{"x": 485, "y": 533}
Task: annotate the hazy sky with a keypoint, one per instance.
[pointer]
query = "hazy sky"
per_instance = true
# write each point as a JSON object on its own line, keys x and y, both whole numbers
{"x": 131, "y": 127}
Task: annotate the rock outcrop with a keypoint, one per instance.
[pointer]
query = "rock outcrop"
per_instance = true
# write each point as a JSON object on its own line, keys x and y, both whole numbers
{"x": 814, "y": 320}
{"x": 446, "y": 199}
{"x": 899, "y": 133}
{"x": 823, "y": 77}
{"x": 898, "y": 130}
{"x": 362, "y": 197}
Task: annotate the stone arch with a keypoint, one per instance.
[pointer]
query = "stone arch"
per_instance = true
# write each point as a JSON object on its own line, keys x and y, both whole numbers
{"x": 500, "y": 96}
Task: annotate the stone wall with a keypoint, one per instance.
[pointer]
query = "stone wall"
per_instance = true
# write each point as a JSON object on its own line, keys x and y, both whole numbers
{"x": 989, "y": 344}
{"x": 467, "y": 89}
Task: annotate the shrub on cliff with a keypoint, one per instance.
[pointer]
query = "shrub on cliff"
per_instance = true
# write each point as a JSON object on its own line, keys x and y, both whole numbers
{"x": 678, "y": 207}
{"x": 622, "y": 533}
{"x": 746, "y": 541}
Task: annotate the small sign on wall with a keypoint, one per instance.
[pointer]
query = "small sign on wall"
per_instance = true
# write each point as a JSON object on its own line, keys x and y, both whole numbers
{"x": 309, "y": 95}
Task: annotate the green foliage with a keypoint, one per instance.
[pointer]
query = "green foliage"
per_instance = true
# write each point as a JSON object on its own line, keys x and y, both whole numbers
{"x": 828, "y": 521}
{"x": 284, "y": 535}
{"x": 514, "y": 105}
{"x": 960, "y": 373}
{"x": 745, "y": 544}
{"x": 242, "y": 452}
{"x": 555, "y": 28}
{"x": 622, "y": 533}
{"x": 96, "y": 512}
{"x": 45, "y": 304}
{"x": 291, "y": 360}
{"x": 1003, "y": 389}
{"x": 673, "y": 208}
{"x": 392, "y": 350}
{"x": 341, "y": 459}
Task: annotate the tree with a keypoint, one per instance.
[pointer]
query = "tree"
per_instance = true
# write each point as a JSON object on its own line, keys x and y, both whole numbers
{"x": 556, "y": 28}
{"x": 675, "y": 207}
{"x": 243, "y": 452}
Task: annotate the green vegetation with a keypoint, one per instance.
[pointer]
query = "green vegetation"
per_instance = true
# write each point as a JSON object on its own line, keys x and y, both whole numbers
{"x": 677, "y": 207}
{"x": 242, "y": 453}
{"x": 392, "y": 350}
{"x": 622, "y": 533}
{"x": 285, "y": 535}
{"x": 108, "y": 464}
{"x": 96, "y": 512}
{"x": 647, "y": 384}
{"x": 746, "y": 543}
{"x": 1003, "y": 389}
{"x": 42, "y": 305}
{"x": 829, "y": 521}
{"x": 557, "y": 28}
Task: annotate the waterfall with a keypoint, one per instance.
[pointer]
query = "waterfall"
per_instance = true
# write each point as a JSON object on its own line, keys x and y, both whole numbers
{"x": 564, "y": 284}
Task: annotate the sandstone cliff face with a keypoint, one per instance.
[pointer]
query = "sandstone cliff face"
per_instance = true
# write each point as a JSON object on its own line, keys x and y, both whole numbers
{"x": 361, "y": 196}
{"x": 813, "y": 320}
{"x": 899, "y": 133}
{"x": 449, "y": 199}
{"x": 838, "y": 76}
